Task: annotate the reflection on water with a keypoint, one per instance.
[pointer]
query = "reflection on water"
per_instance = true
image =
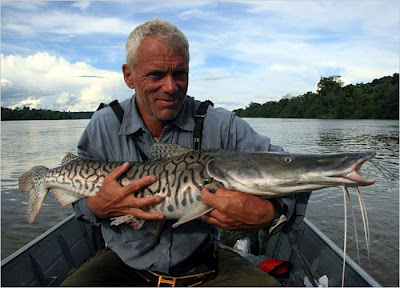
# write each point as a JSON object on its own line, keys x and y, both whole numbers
{"x": 25, "y": 144}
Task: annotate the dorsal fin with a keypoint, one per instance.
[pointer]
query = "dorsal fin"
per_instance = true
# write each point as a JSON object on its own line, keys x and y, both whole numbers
{"x": 164, "y": 150}
{"x": 69, "y": 157}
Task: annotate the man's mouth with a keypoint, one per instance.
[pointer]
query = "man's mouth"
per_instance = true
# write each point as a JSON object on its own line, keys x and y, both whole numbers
{"x": 168, "y": 102}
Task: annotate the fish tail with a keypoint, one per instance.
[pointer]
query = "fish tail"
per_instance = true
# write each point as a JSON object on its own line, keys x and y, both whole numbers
{"x": 32, "y": 182}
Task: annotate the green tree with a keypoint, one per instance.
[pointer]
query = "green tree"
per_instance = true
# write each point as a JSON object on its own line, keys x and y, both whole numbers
{"x": 376, "y": 100}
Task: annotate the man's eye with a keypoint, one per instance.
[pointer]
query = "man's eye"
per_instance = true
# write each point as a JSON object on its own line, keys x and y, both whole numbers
{"x": 181, "y": 74}
{"x": 156, "y": 75}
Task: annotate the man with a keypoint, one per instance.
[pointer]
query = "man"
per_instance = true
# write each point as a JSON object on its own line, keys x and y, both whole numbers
{"x": 157, "y": 57}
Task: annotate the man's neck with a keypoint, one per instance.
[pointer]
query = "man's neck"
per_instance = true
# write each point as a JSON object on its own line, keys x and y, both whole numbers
{"x": 155, "y": 127}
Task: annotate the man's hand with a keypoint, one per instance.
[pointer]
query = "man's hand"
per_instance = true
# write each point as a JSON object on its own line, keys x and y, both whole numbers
{"x": 235, "y": 210}
{"x": 116, "y": 200}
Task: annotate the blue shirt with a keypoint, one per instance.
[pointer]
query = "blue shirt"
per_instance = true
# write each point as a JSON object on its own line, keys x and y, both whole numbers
{"x": 156, "y": 247}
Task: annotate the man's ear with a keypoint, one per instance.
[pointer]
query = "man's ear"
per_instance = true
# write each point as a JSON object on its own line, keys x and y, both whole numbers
{"x": 128, "y": 76}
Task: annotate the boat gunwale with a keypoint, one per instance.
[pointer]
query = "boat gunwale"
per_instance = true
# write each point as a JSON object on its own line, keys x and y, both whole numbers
{"x": 32, "y": 243}
{"x": 349, "y": 261}
{"x": 307, "y": 224}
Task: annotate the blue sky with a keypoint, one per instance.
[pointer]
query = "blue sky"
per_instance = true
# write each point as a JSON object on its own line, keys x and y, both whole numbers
{"x": 67, "y": 55}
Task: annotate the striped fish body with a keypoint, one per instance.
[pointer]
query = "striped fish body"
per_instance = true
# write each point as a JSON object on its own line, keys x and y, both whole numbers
{"x": 182, "y": 174}
{"x": 180, "y": 180}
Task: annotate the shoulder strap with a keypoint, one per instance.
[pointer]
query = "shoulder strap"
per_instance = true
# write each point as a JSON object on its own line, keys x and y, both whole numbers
{"x": 119, "y": 112}
{"x": 201, "y": 113}
{"x": 101, "y": 106}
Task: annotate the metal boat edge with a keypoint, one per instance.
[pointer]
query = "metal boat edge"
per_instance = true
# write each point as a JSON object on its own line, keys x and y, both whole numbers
{"x": 46, "y": 260}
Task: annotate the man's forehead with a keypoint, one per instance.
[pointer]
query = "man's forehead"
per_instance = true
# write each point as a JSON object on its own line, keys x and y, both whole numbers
{"x": 153, "y": 47}
{"x": 155, "y": 54}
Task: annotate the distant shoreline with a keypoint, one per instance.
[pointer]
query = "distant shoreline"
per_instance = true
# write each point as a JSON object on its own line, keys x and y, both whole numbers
{"x": 26, "y": 113}
{"x": 376, "y": 100}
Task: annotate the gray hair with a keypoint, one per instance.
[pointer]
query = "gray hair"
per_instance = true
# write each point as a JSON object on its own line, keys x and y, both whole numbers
{"x": 163, "y": 30}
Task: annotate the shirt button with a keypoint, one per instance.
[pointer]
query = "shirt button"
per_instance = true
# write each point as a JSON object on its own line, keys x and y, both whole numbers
{"x": 165, "y": 251}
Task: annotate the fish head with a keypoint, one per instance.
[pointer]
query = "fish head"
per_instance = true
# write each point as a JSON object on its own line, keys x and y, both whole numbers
{"x": 277, "y": 174}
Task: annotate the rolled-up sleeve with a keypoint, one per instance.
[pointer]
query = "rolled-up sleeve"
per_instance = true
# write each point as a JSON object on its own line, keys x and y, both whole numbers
{"x": 82, "y": 212}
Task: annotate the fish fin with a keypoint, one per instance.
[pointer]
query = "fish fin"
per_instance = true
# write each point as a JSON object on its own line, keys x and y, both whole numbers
{"x": 129, "y": 219}
{"x": 136, "y": 223}
{"x": 198, "y": 209}
{"x": 31, "y": 182}
{"x": 69, "y": 157}
{"x": 63, "y": 197}
{"x": 29, "y": 179}
{"x": 164, "y": 150}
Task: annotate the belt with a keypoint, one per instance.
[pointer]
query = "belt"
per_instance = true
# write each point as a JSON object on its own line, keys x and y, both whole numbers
{"x": 158, "y": 280}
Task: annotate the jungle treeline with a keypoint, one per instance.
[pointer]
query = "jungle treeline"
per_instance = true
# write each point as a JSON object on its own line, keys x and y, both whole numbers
{"x": 376, "y": 100}
{"x": 26, "y": 113}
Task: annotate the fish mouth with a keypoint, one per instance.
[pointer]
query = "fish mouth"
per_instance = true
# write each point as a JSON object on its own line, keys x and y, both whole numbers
{"x": 353, "y": 173}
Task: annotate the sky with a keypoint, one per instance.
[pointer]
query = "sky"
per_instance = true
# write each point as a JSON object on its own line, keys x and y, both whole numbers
{"x": 67, "y": 55}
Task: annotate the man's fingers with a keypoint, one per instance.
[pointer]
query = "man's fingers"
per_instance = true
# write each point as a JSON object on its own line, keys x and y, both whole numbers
{"x": 139, "y": 213}
{"x": 236, "y": 210}
{"x": 216, "y": 218}
{"x": 139, "y": 184}
{"x": 218, "y": 200}
{"x": 207, "y": 196}
{"x": 230, "y": 224}
{"x": 119, "y": 171}
{"x": 145, "y": 201}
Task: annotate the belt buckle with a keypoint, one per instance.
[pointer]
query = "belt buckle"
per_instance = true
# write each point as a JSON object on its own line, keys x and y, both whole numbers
{"x": 169, "y": 281}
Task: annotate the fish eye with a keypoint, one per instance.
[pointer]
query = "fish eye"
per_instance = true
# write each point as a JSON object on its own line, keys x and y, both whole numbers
{"x": 288, "y": 159}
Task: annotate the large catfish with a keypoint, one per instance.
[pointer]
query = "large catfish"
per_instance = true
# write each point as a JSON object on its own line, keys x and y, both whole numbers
{"x": 182, "y": 173}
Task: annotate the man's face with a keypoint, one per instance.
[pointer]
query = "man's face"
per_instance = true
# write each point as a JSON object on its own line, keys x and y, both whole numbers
{"x": 160, "y": 80}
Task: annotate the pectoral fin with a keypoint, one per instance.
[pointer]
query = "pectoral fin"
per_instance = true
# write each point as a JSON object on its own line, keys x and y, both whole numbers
{"x": 130, "y": 219}
{"x": 63, "y": 197}
{"x": 196, "y": 210}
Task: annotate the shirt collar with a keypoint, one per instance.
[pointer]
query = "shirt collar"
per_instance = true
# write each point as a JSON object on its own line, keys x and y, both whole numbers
{"x": 133, "y": 122}
{"x": 185, "y": 119}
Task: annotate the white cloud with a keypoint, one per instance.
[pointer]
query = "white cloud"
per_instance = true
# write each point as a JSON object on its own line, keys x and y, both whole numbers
{"x": 49, "y": 81}
{"x": 65, "y": 99}
{"x": 239, "y": 50}
{"x": 191, "y": 13}
{"x": 29, "y": 102}
{"x": 65, "y": 23}
{"x": 83, "y": 5}
{"x": 5, "y": 82}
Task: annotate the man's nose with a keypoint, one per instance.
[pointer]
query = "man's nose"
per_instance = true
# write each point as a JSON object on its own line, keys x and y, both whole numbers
{"x": 169, "y": 85}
